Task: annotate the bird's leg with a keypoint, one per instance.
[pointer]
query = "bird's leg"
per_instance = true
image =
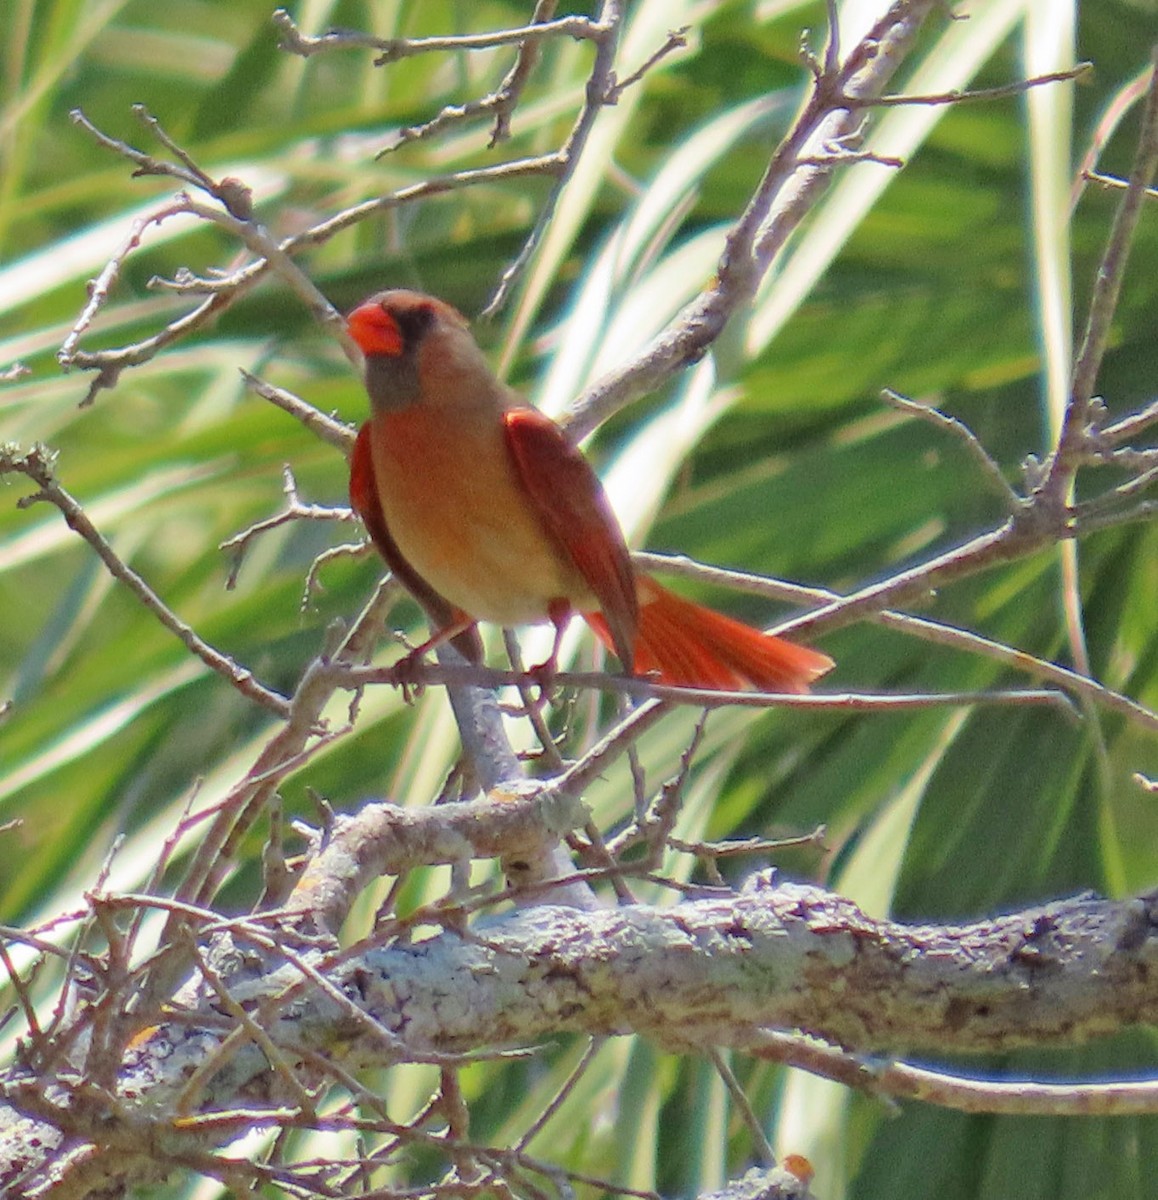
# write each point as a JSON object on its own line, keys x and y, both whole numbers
{"x": 407, "y": 671}
{"x": 560, "y": 612}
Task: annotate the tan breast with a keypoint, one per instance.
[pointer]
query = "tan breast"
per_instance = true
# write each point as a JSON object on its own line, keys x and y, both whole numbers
{"x": 455, "y": 506}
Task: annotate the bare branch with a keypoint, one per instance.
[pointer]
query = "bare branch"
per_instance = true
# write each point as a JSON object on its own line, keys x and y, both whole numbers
{"x": 726, "y": 970}
{"x": 905, "y": 1081}
{"x": 108, "y": 364}
{"x": 215, "y": 853}
{"x": 392, "y": 49}
{"x": 384, "y": 839}
{"x": 754, "y": 845}
{"x": 306, "y": 1015}
{"x": 336, "y": 433}
{"x": 38, "y": 465}
{"x": 744, "y": 1108}
{"x": 598, "y": 84}
{"x": 990, "y": 471}
{"x": 501, "y": 102}
{"x": 645, "y": 689}
{"x": 784, "y": 195}
{"x": 922, "y": 627}
{"x": 1125, "y": 99}
{"x": 1103, "y": 303}
{"x": 677, "y": 39}
{"x": 295, "y": 510}
{"x": 236, "y": 216}
{"x": 510, "y": 90}
{"x": 1114, "y": 183}
{"x": 968, "y": 95}
{"x": 99, "y": 288}
{"x": 532, "y": 705}
{"x": 549, "y": 1110}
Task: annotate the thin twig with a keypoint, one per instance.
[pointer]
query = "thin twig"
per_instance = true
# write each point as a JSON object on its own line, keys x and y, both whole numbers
{"x": 1113, "y": 183}
{"x": 645, "y": 689}
{"x": 922, "y": 627}
{"x": 606, "y": 38}
{"x": 392, "y": 49}
{"x": 1103, "y": 303}
{"x": 532, "y": 704}
{"x": 742, "y": 847}
{"x": 677, "y": 39}
{"x": 653, "y": 824}
{"x": 617, "y": 741}
{"x": 38, "y": 465}
{"x": 990, "y": 471}
{"x": 99, "y": 288}
{"x": 743, "y": 1107}
{"x": 313, "y": 583}
{"x": 1123, "y": 101}
{"x": 335, "y": 433}
{"x": 510, "y": 91}
{"x": 901, "y": 1080}
{"x": 295, "y": 510}
{"x": 973, "y": 95}
{"x": 568, "y": 1086}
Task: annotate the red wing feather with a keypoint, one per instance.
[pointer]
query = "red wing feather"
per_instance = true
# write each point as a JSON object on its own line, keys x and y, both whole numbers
{"x": 575, "y": 512}
{"x": 364, "y": 501}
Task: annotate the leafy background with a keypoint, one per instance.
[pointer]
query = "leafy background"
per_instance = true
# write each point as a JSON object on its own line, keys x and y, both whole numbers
{"x": 776, "y": 456}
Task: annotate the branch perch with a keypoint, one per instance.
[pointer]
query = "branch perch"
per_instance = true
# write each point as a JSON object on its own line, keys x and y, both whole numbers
{"x": 714, "y": 972}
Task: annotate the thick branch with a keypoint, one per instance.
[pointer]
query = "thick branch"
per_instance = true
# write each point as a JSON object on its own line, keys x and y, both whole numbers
{"x": 522, "y": 817}
{"x": 713, "y": 972}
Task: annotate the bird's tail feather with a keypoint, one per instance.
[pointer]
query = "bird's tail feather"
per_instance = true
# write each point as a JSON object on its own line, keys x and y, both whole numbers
{"x": 692, "y": 646}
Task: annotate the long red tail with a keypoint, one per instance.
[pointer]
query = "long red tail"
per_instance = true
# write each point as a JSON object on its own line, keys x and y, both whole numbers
{"x": 692, "y": 646}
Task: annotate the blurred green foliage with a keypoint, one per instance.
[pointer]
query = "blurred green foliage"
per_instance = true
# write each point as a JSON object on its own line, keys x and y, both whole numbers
{"x": 801, "y": 472}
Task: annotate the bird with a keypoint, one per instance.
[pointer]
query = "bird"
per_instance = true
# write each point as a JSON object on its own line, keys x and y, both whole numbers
{"x": 485, "y": 510}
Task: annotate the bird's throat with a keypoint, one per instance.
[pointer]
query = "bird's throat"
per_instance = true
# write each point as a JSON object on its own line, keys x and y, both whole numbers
{"x": 392, "y": 382}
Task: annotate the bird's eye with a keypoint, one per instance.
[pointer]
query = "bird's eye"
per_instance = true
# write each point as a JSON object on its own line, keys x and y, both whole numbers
{"x": 413, "y": 323}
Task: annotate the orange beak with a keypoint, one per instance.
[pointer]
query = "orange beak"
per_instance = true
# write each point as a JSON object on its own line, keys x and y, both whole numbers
{"x": 375, "y": 330}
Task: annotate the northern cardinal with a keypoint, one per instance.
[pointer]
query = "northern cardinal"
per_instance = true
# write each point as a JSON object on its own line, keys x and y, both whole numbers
{"x": 484, "y": 510}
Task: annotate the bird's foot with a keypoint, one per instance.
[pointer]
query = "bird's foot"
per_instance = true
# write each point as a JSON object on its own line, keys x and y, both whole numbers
{"x": 543, "y": 676}
{"x": 407, "y": 674}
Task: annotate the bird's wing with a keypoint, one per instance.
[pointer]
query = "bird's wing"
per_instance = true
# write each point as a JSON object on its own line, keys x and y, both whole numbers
{"x": 570, "y": 501}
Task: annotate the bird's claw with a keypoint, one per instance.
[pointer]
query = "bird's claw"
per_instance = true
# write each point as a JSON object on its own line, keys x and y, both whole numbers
{"x": 406, "y": 674}
{"x": 543, "y": 676}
